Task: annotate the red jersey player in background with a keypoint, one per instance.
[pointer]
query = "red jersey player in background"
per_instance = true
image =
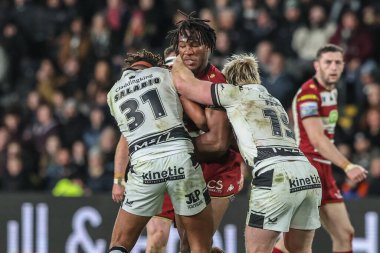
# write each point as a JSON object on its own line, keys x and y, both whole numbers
{"x": 315, "y": 115}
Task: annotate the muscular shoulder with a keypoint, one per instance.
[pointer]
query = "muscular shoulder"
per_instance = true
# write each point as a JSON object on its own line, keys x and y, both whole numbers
{"x": 309, "y": 92}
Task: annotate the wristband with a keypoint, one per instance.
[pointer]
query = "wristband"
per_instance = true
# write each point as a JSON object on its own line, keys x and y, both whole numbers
{"x": 119, "y": 181}
{"x": 349, "y": 167}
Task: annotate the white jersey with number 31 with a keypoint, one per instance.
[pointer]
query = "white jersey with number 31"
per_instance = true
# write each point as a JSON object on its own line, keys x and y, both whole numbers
{"x": 149, "y": 114}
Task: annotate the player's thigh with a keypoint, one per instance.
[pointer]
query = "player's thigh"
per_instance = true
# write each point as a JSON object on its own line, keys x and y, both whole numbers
{"x": 260, "y": 240}
{"x": 299, "y": 241}
{"x": 158, "y": 230}
{"x": 219, "y": 208}
{"x": 188, "y": 194}
{"x": 335, "y": 219}
{"x": 127, "y": 228}
{"x": 198, "y": 227}
{"x": 145, "y": 187}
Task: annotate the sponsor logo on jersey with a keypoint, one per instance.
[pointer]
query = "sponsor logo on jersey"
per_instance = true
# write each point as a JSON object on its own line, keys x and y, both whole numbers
{"x": 136, "y": 87}
{"x": 162, "y": 176}
{"x": 307, "y": 97}
{"x": 193, "y": 199}
{"x": 272, "y": 221}
{"x": 308, "y": 109}
{"x": 333, "y": 116}
{"x": 128, "y": 202}
{"x": 300, "y": 184}
{"x": 215, "y": 186}
{"x": 230, "y": 188}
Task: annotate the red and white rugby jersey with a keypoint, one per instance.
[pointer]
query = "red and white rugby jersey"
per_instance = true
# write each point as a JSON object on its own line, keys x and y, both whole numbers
{"x": 313, "y": 100}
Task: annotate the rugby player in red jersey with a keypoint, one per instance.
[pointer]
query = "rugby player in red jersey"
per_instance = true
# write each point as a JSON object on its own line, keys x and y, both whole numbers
{"x": 315, "y": 114}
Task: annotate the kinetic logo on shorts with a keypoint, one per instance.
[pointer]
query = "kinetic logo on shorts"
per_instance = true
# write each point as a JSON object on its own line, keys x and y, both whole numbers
{"x": 300, "y": 184}
{"x": 163, "y": 176}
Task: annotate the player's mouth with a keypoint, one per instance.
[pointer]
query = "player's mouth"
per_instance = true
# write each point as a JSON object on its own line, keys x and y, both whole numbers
{"x": 189, "y": 62}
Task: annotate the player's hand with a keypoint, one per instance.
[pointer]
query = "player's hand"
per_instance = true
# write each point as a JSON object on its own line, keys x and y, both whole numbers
{"x": 117, "y": 193}
{"x": 356, "y": 173}
{"x": 180, "y": 72}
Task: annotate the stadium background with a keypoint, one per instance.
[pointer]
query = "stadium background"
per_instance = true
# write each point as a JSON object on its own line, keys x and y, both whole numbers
{"x": 58, "y": 59}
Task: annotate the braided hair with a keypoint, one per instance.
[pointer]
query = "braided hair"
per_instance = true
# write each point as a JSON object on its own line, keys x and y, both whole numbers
{"x": 144, "y": 56}
{"x": 193, "y": 28}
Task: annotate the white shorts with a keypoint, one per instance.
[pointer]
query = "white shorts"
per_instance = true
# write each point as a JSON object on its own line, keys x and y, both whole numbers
{"x": 178, "y": 174}
{"x": 285, "y": 195}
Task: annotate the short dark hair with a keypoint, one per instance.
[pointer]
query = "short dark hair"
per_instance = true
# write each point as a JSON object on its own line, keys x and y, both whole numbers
{"x": 328, "y": 48}
{"x": 196, "y": 27}
{"x": 154, "y": 59}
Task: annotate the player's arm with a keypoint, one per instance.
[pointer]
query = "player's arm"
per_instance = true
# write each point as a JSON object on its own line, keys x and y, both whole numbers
{"x": 315, "y": 132}
{"x": 195, "y": 112}
{"x": 217, "y": 140}
{"x": 189, "y": 86}
{"x": 121, "y": 162}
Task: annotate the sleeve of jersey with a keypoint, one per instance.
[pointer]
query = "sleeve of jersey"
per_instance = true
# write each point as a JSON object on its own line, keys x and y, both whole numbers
{"x": 308, "y": 104}
{"x": 109, "y": 102}
{"x": 221, "y": 94}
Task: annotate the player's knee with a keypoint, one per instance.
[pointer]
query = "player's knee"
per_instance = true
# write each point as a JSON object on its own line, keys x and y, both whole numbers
{"x": 159, "y": 238}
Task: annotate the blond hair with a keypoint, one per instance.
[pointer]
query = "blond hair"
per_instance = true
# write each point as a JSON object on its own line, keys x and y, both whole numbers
{"x": 242, "y": 69}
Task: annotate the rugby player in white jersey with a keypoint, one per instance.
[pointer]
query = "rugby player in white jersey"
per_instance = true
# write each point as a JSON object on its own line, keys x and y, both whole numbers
{"x": 286, "y": 188}
{"x": 148, "y": 112}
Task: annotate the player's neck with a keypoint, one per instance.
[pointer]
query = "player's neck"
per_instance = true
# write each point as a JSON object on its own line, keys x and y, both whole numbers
{"x": 202, "y": 71}
{"x": 326, "y": 86}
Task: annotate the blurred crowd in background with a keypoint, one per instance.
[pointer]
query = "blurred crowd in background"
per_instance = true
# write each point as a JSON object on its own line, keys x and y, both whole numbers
{"x": 59, "y": 58}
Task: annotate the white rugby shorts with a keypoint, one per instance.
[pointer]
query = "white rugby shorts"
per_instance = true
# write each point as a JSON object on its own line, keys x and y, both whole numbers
{"x": 285, "y": 195}
{"x": 178, "y": 174}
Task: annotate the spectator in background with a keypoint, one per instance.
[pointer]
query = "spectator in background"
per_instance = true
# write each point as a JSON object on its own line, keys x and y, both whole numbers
{"x": 100, "y": 36}
{"x": 47, "y": 80}
{"x": 374, "y": 177}
{"x": 223, "y": 49}
{"x": 75, "y": 42}
{"x": 357, "y": 42}
{"x": 278, "y": 82}
{"x": 92, "y": 133}
{"x": 107, "y": 144}
{"x": 72, "y": 119}
{"x": 47, "y": 157}
{"x": 226, "y": 19}
{"x": 289, "y": 24}
{"x": 15, "y": 177}
{"x": 263, "y": 51}
{"x": 371, "y": 125}
{"x": 99, "y": 180}
{"x": 117, "y": 15}
{"x": 308, "y": 38}
{"x": 44, "y": 126}
{"x": 61, "y": 168}
{"x": 79, "y": 157}
{"x": 73, "y": 83}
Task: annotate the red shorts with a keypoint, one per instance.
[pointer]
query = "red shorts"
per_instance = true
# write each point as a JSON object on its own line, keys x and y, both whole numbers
{"x": 222, "y": 179}
{"x": 330, "y": 192}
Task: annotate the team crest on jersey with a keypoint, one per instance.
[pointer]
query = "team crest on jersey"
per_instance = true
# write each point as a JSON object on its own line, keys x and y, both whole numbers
{"x": 333, "y": 116}
{"x": 212, "y": 76}
{"x": 313, "y": 86}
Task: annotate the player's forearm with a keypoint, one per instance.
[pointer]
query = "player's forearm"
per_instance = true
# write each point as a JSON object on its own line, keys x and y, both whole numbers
{"x": 121, "y": 158}
{"x": 329, "y": 151}
{"x": 195, "y": 113}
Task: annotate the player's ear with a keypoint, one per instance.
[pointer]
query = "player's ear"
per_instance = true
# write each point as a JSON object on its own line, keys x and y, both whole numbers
{"x": 316, "y": 65}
